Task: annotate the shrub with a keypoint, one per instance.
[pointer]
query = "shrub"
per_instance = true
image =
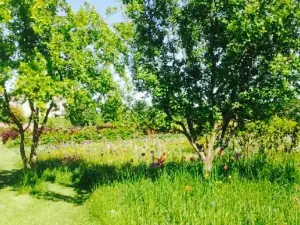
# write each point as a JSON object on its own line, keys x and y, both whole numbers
{"x": 9, "y": 134}
{"x": 77, "y": 135}
{"x": 58, "y": 123}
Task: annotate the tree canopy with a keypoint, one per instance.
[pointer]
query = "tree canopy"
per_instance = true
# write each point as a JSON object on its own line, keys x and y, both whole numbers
{"x": 208, "y": 63}
{"x": 49, "y": 54}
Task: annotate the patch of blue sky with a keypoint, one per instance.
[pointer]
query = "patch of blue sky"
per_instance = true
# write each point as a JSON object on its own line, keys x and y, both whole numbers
{"x": 101, "y": 6}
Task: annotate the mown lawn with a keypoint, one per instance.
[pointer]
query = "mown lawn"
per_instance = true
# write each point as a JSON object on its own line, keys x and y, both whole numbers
{"x": 17, "y": 207}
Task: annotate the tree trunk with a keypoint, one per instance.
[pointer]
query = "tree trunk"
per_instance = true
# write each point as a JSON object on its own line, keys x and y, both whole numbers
{"x": 22, "y": 150}
{"x": 210, "y": 153}
{"x": 33, "y": 155}
{"x": 208, "y": 165}
{"x": 34, "y": 145}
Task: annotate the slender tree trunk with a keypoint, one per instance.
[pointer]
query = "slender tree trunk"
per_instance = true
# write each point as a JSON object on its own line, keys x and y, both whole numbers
{"x": 34, "y": 144}
{"x": 22, "y": 150}
{"x": 33, "y": 154}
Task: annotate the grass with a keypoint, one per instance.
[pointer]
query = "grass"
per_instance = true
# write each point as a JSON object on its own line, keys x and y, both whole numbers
{"x": 186, "y": 200}
{"x": 19, "y": 207}
{"x": 111, "y": 183}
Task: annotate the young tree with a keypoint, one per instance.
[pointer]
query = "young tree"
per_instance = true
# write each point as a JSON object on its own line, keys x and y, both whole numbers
{"x": 209, "y": 62}
{"x": 48, "y": 54}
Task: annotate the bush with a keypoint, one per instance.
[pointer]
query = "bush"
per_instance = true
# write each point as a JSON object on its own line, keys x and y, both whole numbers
{"x": 58, "y": 123}
{"x": 9, "y": 134}
{"x": 279, "y": 134}
{"x": 77, "y": 135}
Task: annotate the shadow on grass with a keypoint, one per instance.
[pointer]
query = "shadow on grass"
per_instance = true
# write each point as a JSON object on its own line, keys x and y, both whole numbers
{"x": 10, "y": 178}
{"x": 86, "y": 176}
{"x": 79, "y": 199}
{"x": 83, "y": 177}
{"x": 29, "y": 182}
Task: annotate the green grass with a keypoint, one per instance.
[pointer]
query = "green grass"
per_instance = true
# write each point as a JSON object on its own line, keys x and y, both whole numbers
{"x": 111, "y": 183}
{"x": 187, "y": 200}
{"x": 18, "y": 207}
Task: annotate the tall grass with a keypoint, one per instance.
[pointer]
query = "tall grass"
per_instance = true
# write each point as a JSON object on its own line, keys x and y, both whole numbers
{"x": 256, "y": 189}
{"x": 185, "y": 199}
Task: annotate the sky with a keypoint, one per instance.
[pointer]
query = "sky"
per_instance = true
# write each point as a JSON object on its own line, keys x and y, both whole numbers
{"x": 101, "y": 6}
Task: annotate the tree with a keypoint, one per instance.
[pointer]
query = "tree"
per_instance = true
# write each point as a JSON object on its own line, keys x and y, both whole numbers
{"x": 50, "y": 53}
{"x": 113, "y": 107}
{"x": 207, "y": 63}
{"x": 148, "y": 118}
{"x": 82, "y": 111}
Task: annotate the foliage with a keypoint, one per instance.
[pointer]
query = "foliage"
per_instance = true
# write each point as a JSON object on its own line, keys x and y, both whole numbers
{"x": 112, "y": 109}
{"x": 82, "y": 111}
{"x": 9, "y": 134}
{"x": 279, "y": 134}
{"x": 148, "y": 117}
{"x": 50, "y": 54}
{"x": 18, "y": 112}
{"x": 207, "y": 63}
{"x": 56, "y": 136}
{"x": 58, "y": 123}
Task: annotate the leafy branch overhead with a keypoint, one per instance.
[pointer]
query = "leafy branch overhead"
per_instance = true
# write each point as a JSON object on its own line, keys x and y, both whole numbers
{"x": 50, "y": 54}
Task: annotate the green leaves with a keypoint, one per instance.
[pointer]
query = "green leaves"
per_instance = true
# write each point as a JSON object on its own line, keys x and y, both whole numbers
{"x": 208, "y": 62}
{"x": 50, "y": 53}
{"x": 5, "y": 14}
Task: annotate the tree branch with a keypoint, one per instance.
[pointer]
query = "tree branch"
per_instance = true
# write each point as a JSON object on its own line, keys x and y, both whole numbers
{"x": 46, "y": 117}
{"x": 199, "y": 150}
{"x": 10, "y": 113}
{"x": 30, "y": 120}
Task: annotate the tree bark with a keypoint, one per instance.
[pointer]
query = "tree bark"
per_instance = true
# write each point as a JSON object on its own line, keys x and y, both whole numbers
{"x": 20, "y": 129}
{"x": 210, "y": 151}
{"x": 22, "y": 150}
{"x": 35, "y": 139}
{"x": 208, "y": 165}
{"x": 37, "y": 131}
{"x": 34, "y": 146}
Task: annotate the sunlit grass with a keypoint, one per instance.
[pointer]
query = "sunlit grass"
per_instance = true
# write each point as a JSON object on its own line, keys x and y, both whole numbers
{"x": 188, "y": 200}
{"x": 121, "y": 188}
